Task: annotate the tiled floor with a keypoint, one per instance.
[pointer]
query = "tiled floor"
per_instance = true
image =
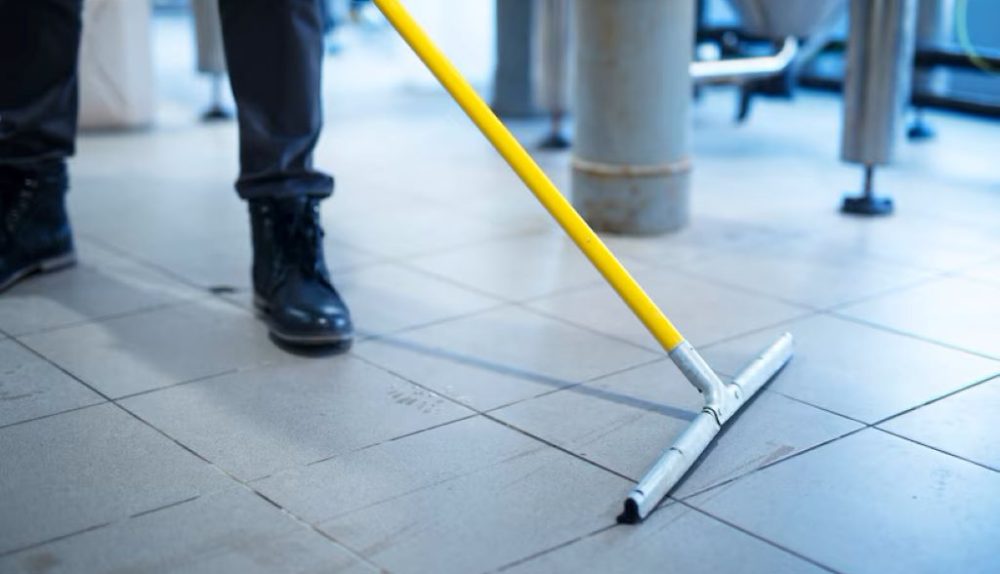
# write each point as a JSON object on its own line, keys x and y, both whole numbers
{"x": 500, "y": 401}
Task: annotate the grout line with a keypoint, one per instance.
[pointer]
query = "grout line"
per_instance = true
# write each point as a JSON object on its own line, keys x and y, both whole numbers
{"x": 144, "y": 262}
{"x": 572, "y": 386}
{"x": 938, "y": 399}
{"x": 820, "y": 408}
{"x": 400, "y": 258}
{"x": 932, "y": 278}
{"x": 592, "y": 330}
{"x": 934, "y": 448}
{"x": 697, "y": 510}
{"x": 66, "y": 372}
{"x": 559, "y": 546}
{"x": 461, "y": 316}
{"x": 164, "y": 507}
{"x": 542, "y": 379}
{"x": 866, "y": 426}
{"x": 109, "y": 317}
{"x": 374, "y": 445}
{"x": 54, "y": 539}
{"x": 791, "y": 456}
{"x": 246, "y": 485}
{"x": 49, "y": 415}
{"x": 509, "y": 425}
{"x": 356, "y": 554}
{"x": 193, "y": 453}
{"x": 888, "y": 329}
{"x": 559, "y": 448}
{"x": 198, "y": 379}
{"x": 758, "y": 537}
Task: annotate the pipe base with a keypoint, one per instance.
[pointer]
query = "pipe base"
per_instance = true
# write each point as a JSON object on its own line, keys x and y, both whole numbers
{"x": 867, "y": 205}
{"x": 632, "y": 205}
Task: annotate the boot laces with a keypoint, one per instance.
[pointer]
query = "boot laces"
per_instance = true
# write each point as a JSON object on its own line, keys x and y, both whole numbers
{"x": 304, "y": 247}
{"x": 17, "y": 202}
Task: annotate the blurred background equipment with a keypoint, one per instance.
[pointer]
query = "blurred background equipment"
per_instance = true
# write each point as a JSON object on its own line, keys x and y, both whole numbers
{"x": 800, "y": 28}
{"x": 876, "y": 89}
{"x": 211, "y": 54}
{"x": 935, "y": 23}
{"x": 116, "y": 65}
{"x": 554, "y": 47}
{"x": 514, "y": 76}
{"x": 762, "y": 48}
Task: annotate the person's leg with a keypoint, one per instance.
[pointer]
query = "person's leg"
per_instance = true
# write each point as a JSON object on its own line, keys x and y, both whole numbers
{"x": 39, "y": 44}
{"x": 274, "y": 51}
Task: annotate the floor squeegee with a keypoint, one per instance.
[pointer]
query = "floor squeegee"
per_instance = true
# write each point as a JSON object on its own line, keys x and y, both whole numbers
{"x": 722, "y": 400}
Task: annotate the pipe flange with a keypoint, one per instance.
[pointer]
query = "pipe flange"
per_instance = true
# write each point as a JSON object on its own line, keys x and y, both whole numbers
{"x": 602, "y": 169}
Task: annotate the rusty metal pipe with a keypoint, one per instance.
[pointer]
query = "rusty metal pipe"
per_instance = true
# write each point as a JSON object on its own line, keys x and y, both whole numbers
{"x": 631, "y": 164}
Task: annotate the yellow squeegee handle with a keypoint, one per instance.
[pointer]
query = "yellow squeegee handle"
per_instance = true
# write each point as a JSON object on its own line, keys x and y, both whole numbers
{"x": 532, "y": 175}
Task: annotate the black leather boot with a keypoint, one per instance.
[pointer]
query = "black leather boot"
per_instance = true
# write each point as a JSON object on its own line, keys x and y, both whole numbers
{"x": 34, "y": 230}
{"x": 292, "y": 286}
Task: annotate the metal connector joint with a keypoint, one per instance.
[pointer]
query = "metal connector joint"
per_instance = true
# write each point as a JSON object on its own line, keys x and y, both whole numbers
{"x": 697, "y": 371}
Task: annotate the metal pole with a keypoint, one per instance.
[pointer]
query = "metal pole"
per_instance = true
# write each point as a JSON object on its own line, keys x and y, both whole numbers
{"x": 631, "y": 165}
{"x": 553, "y": 47}
{"x": 512, "y": 80}
{"x": 934, "y": 25}
{"x": 211, "y": 56}
{"x": 734, "y": 70}
{"x": 876, "y": 89}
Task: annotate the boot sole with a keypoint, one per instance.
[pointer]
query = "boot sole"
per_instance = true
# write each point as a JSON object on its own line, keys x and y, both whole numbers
{"x": 298, "y": 339}
{"x": 44, "y": 266}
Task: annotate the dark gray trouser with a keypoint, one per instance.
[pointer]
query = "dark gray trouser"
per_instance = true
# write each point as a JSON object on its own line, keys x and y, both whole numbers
{"x": 274, "y": 50}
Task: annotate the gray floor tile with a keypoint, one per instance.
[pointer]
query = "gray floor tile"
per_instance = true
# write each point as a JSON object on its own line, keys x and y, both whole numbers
{"x": 958, "y": 312}
{"x": 366, "y": 478}
{"x": 465, "y": 497}
{"x": 413, "y": 231}
{"x": 624, "y": 423}
{"x": 462, "y": 378}
{"x": 703, "y": 312}
{"x": 258, "y": 422}
{"x": 86, "y": 292}
{"x": 233, "y": 531}
{"x": 76, "y": 470}
{"x": 387, "y": 298}
{"x": 704, "y": 236}
{"x": 674, "y": 539}
{"x": 516, "y": 351}
{"x": 962, "y": 424}
{"x": 802, "y": 280}
{"x": 871, "y": 503}
{"x": 856, "y": 370}
{"x": 915, "y": 241}
{"x": 515, "y": 268}
{"x": 225, "y": 261}
{"x": 30, "y": 387}
{"x": 150, "y": 350}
